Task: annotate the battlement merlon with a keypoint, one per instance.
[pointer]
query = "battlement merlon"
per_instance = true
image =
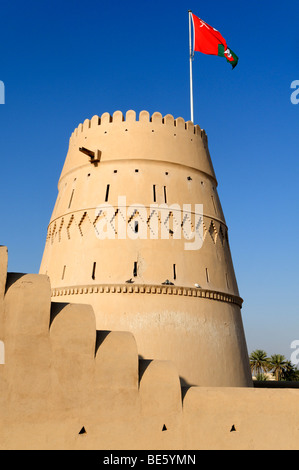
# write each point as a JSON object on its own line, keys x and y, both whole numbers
{"x": 152, "y": 138}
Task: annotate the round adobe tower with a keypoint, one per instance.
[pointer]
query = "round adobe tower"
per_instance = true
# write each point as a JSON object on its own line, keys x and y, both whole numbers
{"x": 138, "y": 232}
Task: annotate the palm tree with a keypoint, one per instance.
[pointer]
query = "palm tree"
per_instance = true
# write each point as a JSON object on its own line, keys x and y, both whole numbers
{"x": 278, "y": 364}
{"x": 290, "y": 373}
{"x": 259, "y": 362}
{"x": 261, "y": 377}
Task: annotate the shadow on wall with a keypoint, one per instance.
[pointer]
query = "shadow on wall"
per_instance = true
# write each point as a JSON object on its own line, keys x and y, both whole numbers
{"x": 12, "y": 278}
{"x": 144, "y": 364}
{"x": 56, "y": 308}
{"x": 101, "y": 335}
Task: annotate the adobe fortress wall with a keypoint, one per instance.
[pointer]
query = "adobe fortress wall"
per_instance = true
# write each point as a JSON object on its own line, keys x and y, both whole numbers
{"x": 67, "y": 385}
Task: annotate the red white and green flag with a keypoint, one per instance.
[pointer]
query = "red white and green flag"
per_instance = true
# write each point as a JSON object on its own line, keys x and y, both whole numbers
{"x": 209, "y": 41}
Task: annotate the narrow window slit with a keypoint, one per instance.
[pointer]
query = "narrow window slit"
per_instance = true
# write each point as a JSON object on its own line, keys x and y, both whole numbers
{"x": 107, "y": 192}
{"x": 71, "y": 198}
{"x": 215, "y": 208}
{"x": 174, "y": 271}
{"x": 154, "y": 192}
{"x": 165, "y": 195}
{"x": 93, "y": 276}
{"x": 135, "y": 269}
{"x": 63, "y": 272}
{"x": 207, "y": 275}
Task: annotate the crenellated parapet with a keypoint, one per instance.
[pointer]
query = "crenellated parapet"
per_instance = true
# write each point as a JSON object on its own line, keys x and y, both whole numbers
{"x": 144, "y": 118}
{"x": 109, "y": 138}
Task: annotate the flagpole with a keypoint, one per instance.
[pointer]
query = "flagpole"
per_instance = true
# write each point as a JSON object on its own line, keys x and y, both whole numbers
{"x": 191, "y": 59}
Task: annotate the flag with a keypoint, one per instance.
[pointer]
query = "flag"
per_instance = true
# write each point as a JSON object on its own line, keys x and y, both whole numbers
{"x": 209, "y": 41}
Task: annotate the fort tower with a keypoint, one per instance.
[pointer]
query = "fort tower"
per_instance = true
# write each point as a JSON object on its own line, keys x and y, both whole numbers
{"x": 138, "y": 232}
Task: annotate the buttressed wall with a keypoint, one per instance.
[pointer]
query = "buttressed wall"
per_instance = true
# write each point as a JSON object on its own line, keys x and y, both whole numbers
{"x": 120, "y": 240}
{"x": 66, "y": 385}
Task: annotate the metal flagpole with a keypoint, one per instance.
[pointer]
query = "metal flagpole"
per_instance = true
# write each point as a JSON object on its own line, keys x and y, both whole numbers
{"x": 191, "y": 59}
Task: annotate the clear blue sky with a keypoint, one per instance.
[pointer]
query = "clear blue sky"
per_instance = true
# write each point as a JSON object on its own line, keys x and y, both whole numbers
{"x": 63, "y": 62}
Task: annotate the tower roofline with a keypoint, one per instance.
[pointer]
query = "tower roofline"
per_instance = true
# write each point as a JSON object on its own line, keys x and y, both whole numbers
{"x": 146, "y": 137}
{"x": 144, "y": 117}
